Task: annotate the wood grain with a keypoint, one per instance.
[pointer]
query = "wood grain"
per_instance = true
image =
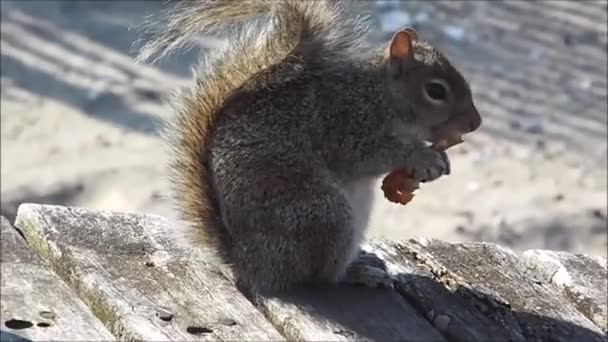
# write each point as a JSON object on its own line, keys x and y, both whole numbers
{"x": 35, "y": 304}
{"x": 140, "y": 283}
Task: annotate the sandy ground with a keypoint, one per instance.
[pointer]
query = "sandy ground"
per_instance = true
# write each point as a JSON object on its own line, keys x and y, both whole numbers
{"x": 79, "y": 118}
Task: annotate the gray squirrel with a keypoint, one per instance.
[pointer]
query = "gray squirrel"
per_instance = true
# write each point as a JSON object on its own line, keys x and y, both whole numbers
{"x": 284, "y": 132}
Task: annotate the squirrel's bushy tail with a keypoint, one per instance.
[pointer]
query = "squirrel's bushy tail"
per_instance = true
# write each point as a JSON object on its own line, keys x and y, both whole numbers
{"x": 311, "y": 30}
{"x": 311, "y": 24}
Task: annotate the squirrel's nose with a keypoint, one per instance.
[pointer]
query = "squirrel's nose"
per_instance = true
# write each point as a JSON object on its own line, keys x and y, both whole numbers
{"x": 474, "y": 123}
{"x": 474, "y": 120}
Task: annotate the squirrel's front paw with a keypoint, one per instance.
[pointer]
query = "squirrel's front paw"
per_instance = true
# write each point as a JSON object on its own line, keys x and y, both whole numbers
{"x": 427, "y": 164}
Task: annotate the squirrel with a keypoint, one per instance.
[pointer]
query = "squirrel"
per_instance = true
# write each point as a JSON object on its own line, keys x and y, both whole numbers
{"x": 278, "y": 141}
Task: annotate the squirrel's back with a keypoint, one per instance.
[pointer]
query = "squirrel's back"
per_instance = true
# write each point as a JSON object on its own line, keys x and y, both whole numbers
{"x": 313, "y": 31}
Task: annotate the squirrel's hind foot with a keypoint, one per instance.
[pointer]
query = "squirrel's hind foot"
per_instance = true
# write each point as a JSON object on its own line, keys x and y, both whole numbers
{"x": 370, "y": 271}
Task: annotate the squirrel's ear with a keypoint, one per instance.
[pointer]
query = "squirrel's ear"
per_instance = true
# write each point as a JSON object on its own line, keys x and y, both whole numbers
{"x": 401, "y": 45}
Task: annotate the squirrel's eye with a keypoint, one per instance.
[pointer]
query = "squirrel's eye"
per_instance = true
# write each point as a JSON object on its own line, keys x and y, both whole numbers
{"x": 436, "y": 91}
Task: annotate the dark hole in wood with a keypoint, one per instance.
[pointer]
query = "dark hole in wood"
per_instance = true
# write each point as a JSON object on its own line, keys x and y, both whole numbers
{"x": 164, "y": 315}
{"x": 228, "y": 322}
{"x": 345, "y": 333}
{"x": 43, "y": 324}
{"x": 198, "y": 330}
{"x": 18, "y": 324}
{"x": 47, "y": 314}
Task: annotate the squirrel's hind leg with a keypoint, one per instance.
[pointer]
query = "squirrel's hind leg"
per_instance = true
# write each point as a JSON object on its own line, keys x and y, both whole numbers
{"x": 294, "y": 229}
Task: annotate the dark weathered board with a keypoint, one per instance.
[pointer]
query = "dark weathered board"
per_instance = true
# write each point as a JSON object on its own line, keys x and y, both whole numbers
{"x": 496, "y": 282}
{"x": 35, "y": 303}
{"x": 137, "y": 280}
{"x": 449, "y": 312}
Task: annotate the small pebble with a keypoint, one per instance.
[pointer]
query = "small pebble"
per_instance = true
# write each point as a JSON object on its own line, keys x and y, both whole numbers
{"x": 558, "y": 197}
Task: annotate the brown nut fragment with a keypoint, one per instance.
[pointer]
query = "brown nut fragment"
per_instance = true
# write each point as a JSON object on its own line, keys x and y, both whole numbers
{"x": 399, "y": 187}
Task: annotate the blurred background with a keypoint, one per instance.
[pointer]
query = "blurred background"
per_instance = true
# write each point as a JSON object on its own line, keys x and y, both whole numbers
{"x": 79, "y": 118}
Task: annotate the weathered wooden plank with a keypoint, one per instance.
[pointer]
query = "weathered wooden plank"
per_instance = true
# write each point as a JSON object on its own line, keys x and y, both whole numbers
{"x": 138, "y": 280}
{"x": 582, "y": 279}
{"x": 347, "y": 313}
{"x": 35, "y": 303}
{"x": 495, "y": 281}
{"x": 104, "y": 255}
{"x": 448, "y": 312}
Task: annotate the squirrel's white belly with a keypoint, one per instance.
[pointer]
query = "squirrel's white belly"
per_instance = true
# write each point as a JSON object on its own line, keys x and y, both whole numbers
{"x": 360, "y": 196}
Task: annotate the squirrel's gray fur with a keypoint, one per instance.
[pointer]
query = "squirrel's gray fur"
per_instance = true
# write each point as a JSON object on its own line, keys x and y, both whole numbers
{"x": 279, "y": 140}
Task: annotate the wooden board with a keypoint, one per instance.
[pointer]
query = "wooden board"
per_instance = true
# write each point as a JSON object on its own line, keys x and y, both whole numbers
{"x": 137, "y": 280}
{"x": 495, "y": 281}
{"x": 105, "y": 254}
{"x": 144, "y": 286}
{"x": 449, "y": 312}
{"x": 36, "y": 304}
{"x": 581, "y": 278}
